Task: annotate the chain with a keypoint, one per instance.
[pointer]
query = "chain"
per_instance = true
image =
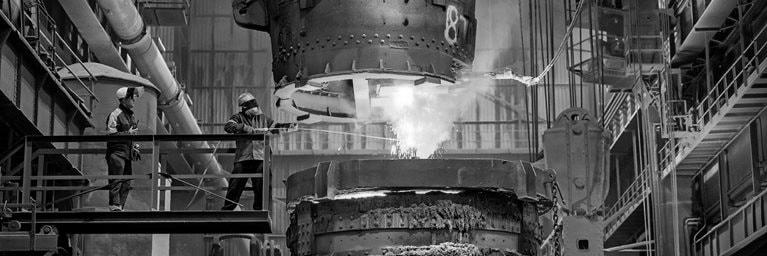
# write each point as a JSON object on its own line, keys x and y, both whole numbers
{"x": 553, "y": 241}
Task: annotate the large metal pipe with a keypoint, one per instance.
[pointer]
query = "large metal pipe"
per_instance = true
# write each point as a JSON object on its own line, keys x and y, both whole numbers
{"x": 129, "y": 27}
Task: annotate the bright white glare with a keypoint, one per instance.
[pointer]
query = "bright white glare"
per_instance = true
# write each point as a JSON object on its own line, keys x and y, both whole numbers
{"x": 422, "y": 116}
{"x": 381, "y": 193}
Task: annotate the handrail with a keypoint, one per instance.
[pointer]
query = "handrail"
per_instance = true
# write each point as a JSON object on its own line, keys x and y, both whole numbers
{"x": 637, "y": 186}
{"x": 496, "y": 136}
{"x": 64, "y": 64}
{"x": 614, "y": 105}
{"x": 41, "y": 11}
{"x": 715, "y": 230}
{"x": 145, "y": 138}
{"x": 637, "y": 189}
{"x": 185, "y": 3}
{"x": 736, "y": 63}
{"x": 35, "y": 146}
{"x": 134, "y": 176}
{"x": 91, "y": 76}
{"x": 669, "y": 151}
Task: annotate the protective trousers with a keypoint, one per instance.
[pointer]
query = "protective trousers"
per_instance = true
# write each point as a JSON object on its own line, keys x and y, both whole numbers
{"x": 236, "y": 185}
{"x": 118, "y": 191}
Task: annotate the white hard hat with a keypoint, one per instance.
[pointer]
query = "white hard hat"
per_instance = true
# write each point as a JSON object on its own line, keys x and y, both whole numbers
{"x": 245, "y": 97}
{"x": 124, "y": 92}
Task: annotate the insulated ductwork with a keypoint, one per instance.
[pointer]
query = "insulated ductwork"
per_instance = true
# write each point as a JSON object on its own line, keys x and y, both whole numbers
{"x": 129, "y": 27}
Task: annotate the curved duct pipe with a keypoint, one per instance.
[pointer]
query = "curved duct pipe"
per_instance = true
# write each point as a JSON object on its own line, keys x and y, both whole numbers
{"x": 129, "y": 27}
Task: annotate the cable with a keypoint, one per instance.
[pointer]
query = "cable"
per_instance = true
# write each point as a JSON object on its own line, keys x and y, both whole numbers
{"x": 528, "y": 125}
{"x": 570, "y": 56}
{"x": 593, "y": 49}
{"x": 205, "y": 171}
{"x": 530, "y": 81}
{"x": 544, "y": 55}
{"x": 601, "y": 52}
{"x": 580, "y": 53}
{"x": 87, "y": 191}
{"x": 553, "y": 75}
{"x": 533, "y": 91}
{"x": 198, "y": 188}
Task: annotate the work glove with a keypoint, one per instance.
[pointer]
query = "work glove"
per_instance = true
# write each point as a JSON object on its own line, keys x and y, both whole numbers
{"x": 253, "y": 130}
{"x": 292, "y": 127}
{"x": 135, "y": 153}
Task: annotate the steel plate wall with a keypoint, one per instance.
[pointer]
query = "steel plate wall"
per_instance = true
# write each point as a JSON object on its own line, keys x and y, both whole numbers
{"x": 8, "y": 73}
{"x": 739, "y": 168}
{"x": 27, "y": 91}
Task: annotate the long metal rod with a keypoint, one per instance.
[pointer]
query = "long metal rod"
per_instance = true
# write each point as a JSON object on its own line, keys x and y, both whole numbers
{"x": 166, "y": 175}
{"x": 629, "y": 246}
{"x": 85, "y": 192}
{"x": 154, "y": 176}
{"x": 266, "y": 170}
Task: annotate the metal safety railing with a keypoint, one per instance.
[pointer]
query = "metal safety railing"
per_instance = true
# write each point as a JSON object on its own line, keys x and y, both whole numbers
{"x": 738, "y": 230}
{"x": 733, "y": 79}
{"x": 638, "y": 187}
{"x": 620, "y": 111}
{"x": 678, "y": 116}
{"x": 635, "y": 192}
{"x": 39, "y": 29}
{"x": 39, "y": 181}
{"x": 376, "y": 138}
{"x": 669, "y": 151}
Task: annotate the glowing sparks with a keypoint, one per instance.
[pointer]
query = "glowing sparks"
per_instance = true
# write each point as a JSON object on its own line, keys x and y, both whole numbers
{"x": 422, "y": 117}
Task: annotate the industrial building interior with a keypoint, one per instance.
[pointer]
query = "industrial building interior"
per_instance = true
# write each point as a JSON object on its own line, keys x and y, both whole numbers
{"x": 401, "y": 127}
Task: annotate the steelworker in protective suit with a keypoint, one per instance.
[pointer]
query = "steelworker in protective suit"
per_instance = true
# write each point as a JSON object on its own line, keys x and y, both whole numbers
{"x": 120, "y": 153}
{"x": 249, "y": 157}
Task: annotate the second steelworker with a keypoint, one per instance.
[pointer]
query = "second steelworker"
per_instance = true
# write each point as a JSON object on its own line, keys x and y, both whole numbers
{"x": 249, "y": 157}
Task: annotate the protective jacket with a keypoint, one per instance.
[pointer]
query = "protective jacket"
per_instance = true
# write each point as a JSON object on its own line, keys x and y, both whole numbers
{"x": 118, "y": 123}
{"x": 242, "y": 123}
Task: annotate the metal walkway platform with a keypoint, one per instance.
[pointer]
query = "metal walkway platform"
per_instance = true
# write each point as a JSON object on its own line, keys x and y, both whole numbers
{"x": 628, "y": 202}
{"x": 737, "y": 98}
{"x": 151, "y": 222}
